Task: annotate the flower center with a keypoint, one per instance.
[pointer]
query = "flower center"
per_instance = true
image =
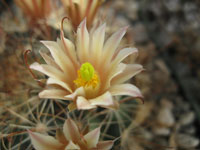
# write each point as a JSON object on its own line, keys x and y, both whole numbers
{"x": 87, "y": 76}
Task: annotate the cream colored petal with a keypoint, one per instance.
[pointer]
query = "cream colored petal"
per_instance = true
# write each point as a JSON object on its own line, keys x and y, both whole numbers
{"x": 103, "y": 100}
{"x": 49, "y": 60}
{"x": 92, "y": 138}
{"x": 44, "y": 142}
{"x": 83, "y": 104}
{"x": 117, "y": 70}
{"x": 105, "y": 145}
{"x": 114, "y": 107}
{"x": 59, "y": 82}
{"x": 69, "y": 48}
{"x": 78, "y": 92}
{"x": 67, "y": 3}
{"x": 60, "y": 136}
{"x": 130, "y": 71}
{"x": 97, "y": 42}
{"x": 123, "y": 54}
{"x": 95, "y": 5}
{"x": 60, "y": 57}
{"x": 54, "y": 94}
{"x": 49, "y": 71}
{"x": 71, "y": 131}
{"x": 113, "y": 73}
{"x": 112, "y": 44}
{"x": 125, "y": 89}
{"x": 72, "y": 146}
{"x": 82, "y": 42}
{"x": 81, "y": 5}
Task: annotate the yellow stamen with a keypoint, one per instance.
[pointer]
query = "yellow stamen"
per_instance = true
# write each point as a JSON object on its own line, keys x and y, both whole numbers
{"x": 87, "y": 76}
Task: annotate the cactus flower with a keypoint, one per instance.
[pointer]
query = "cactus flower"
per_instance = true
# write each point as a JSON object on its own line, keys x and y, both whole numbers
{"x": 89, "y": 73}
{"x": 35, "y": 9}
{"x": 70, "y": 139}
{"x": 77, "y": 10}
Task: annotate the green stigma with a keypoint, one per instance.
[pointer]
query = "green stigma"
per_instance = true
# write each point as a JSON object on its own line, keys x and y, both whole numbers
{"x": 87, "y": 71}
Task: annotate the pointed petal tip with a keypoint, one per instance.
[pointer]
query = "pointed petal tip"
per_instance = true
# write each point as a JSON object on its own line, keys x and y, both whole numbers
{"x": 97, "y": 130}
{"x": 124, "y": 29}
{"x": 43, "y": 42}
{"x": 143, "y": 69}
{"x": 83, "y": 23}
{"x": 92, "y": 137}
{"x": 105, "y": 145}
{"x": 140, "y": 96}
{"x": 115, "y": 106}
{"x": 105, "y": 99}
{"x": 35, "y": 65}
{"x": 84, "y": 104}
{"x": 84, "y": 20}
{"x": 71, "y": 130}
{"x": 68, "y": 119}
{"x": 140, "y": 68}
{"x": 103, "y": 26}
{"x": 136, "y": 50}
{"x": 41, "y": 94}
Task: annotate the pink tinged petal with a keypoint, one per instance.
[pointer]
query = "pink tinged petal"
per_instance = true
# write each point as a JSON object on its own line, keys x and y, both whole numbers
{"x": 123, "y": 54}
{"x": 78, "y": 92}
{"x": 69, "y": 49}
{"x": 84, "y": 104}
{"x": 103, "y": 100}
{"x": 112, "y": 44}
{"x": 115, "y": 106}
{"x": 97, "y": 43}
{"x": 113, "y": 73}
{"x": 83, "y": 42}
{"x": 44, "y": 142}
{"x": 49, "y": 60}
{"x": 72, "y": 146}
{"x": 92, "y": 138}
{"x": 61, "y": 137}
{"x": 54, "y": 94}
{"x": 71, "y": 131}
{"x": 105, "y": 145}
{"x": 49, "y": 71}
{"x": 125, "y": 89}
{"x": 60, "y": 83}
{"x": 130, "y": 71}
{"x": 59, "y": 56}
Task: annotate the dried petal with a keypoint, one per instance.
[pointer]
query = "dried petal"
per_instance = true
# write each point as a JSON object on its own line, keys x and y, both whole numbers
{"x": 44, "y": 142}
{"x": 92, "y": 138}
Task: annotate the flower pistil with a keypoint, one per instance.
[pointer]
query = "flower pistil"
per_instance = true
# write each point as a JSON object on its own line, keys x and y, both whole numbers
{"x": 87, "y": 76}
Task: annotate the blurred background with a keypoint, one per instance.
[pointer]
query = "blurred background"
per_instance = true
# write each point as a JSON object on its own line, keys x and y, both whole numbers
{"x": 167, "y": 35}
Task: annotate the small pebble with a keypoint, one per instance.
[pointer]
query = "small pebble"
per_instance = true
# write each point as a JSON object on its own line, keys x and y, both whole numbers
{"x": 172, "y": 5}
{"x": 190, "y": 130}
{"x": 166, "y": 103}
{"x": 161, "y": 64}
{"x": 186, "y": 141}
{"x": 161, "y": 131}
{"x": 131, "y": 11}
{"x": 187, "y": 118}
{"x": 165, "y": 117}
{"x": 139, "y": 33}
